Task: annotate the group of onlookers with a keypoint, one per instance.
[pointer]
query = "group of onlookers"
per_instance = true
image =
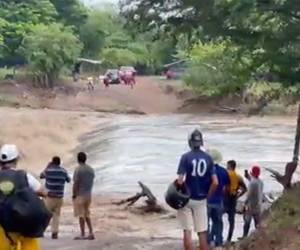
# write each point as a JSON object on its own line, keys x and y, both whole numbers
{"x": 214, "y": 191}
{"x": 224, "y": 200}
{"x": 13, "y": 180}
{"x": 56, "y": 177}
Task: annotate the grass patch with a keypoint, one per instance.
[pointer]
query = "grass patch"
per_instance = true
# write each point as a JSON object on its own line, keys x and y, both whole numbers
{"x": 5, "y": 71}
{"x": 6, "y": 102}
{"x": 286, "y": 211}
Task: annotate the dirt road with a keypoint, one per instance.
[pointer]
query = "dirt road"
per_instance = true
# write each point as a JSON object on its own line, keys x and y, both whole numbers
{"x": 147, "y": 96}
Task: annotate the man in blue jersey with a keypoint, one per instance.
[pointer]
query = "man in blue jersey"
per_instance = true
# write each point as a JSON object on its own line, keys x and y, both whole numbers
{"x": 215, "y": 202}
{"x": 196, "y": 170}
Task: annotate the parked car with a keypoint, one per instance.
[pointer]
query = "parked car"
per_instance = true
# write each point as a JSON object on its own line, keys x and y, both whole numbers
{"x": 112, "y": 76}
{"x": 127, "y": 69}
{"x": 127, "y": 74}
{"x": 175, "y": 73}
{"x": 175, "y": 70}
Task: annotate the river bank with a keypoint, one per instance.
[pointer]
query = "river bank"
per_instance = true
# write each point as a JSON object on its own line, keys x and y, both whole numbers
{"x": 127, "y": 148}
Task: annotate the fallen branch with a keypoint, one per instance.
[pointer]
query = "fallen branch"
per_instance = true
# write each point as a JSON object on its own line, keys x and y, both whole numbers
{"x": 229, "y": 109}
{"x": 151, "y": 201}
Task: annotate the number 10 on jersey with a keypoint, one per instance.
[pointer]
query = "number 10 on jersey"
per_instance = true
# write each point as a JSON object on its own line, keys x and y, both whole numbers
{"x": 199, "y": 167}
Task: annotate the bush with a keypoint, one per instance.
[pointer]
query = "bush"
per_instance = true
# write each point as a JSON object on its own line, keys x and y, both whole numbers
{"x": 115, "y": 57}
{"x": 214, "y": 69}
{"x": 49, "y": 49}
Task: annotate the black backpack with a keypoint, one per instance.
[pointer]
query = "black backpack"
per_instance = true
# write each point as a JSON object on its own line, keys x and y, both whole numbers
{"x": 21, "y": 210}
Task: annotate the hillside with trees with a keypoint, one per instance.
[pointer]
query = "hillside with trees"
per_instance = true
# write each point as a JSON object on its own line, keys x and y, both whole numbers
{"x": 231, "y": 45}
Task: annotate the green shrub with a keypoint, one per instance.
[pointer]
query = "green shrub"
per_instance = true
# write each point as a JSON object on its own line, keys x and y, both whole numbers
{"x": 49, "y": 49}
{"x": 214, "y": 69}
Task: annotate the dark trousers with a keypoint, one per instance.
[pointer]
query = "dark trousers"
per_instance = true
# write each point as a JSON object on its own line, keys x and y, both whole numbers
{"x": 215, "y": 231}
{"x": 248, "y": 216}
{"x": 230, "y": 203}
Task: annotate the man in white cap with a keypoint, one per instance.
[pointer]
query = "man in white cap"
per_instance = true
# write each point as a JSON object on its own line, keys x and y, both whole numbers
{"x": 9, "y": 156}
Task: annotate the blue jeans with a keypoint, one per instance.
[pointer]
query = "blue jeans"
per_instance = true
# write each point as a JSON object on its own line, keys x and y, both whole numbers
{"x": 215, "y": 231}
{"x": 248, "y": 216}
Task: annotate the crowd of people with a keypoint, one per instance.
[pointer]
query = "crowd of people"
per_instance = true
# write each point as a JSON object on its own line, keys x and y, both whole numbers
{"x": 12, "y": 181}
{"x": 214, "y": 191}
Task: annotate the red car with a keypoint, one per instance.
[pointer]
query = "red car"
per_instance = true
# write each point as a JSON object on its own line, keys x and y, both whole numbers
{"x": 131, "y": 69}
{"x": 127, "y": 74}
{"x": 174, "y": 73}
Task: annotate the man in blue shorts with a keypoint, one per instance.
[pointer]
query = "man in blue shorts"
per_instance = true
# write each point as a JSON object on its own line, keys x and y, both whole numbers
{"x": 196, "y": 170}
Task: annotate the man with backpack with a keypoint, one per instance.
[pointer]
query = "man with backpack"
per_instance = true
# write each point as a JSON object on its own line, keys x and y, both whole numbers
{"x": 23, "y": 216}
{"x": 235, "y": 190}
{"x": 196, "y": 171}
{"x": 56, "y": 177}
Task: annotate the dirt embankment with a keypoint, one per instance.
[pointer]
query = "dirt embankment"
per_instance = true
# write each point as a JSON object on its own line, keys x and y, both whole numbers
{"x": 41, "y": 134}
{"x": 45, "y": 123}
{"x": 147, "y": 96}
{"x": 52, "y": 126}
{"x": 280, "y": 230}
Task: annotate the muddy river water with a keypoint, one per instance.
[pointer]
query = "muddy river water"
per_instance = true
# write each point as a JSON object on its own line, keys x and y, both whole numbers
{"x": 127, "y": 149}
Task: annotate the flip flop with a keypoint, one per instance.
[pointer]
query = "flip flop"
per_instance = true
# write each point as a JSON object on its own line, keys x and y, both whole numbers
{"x": 79, "y": 238}
{"x": 90, "y": 237}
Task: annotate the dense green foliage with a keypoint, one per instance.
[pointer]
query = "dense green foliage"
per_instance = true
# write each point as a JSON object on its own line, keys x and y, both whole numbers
{"x": 30, "y": 33}
{"x": 215, "y": 69}
{"x": 228, "y": 44}
{"x": 263, "y": 37}
{"x": 48, "y": 49}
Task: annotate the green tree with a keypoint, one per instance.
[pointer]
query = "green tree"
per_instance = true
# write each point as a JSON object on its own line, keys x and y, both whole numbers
{"x": 49, "y": 49}
{"x": 215, "y": 69}
{"x": 116, "y": 57}
{"x": 19, "y": 17}
{"x": 95, "y": 31}
{"x": 3, "y": 24}
{"x": 268, "y": 30}
{"x": 71, "y": 12}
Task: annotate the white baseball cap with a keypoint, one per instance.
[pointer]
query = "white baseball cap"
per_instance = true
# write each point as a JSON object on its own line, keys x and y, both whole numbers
{"x": 8, "y": 152}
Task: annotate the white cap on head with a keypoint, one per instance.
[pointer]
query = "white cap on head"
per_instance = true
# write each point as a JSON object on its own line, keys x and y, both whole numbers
{"x": 8, "y": 152}
{"x": 215, "y": 155}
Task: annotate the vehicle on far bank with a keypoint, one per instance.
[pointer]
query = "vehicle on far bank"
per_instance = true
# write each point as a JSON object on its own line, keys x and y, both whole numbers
{"x": 128, "y": 74}
{"x": 112, "y": 76}
{"x": 175, "y": 70}
{"x": 127, "y": 69}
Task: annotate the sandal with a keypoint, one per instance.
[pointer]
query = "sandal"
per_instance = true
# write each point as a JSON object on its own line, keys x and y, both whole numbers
{"x": 79, "y": 238}
{"x": 90, "y": 237}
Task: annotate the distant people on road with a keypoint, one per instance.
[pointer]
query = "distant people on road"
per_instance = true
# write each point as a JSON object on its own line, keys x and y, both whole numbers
{"x": 56, "y": 177}
{"x": 215, "y": 202}
{"x": 254, "y": 200}
{"x": 236, "y": 189}
{"x": 82, "y": 195}
{"x": 19, "y": 229}
{"x": 196, "y": 170}
{"x": 90, "y": 84}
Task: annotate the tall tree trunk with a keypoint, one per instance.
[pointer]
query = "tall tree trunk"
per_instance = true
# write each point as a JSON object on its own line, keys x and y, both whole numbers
{"x": 297, "y": 139}
{"x": 290, "y": 168}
